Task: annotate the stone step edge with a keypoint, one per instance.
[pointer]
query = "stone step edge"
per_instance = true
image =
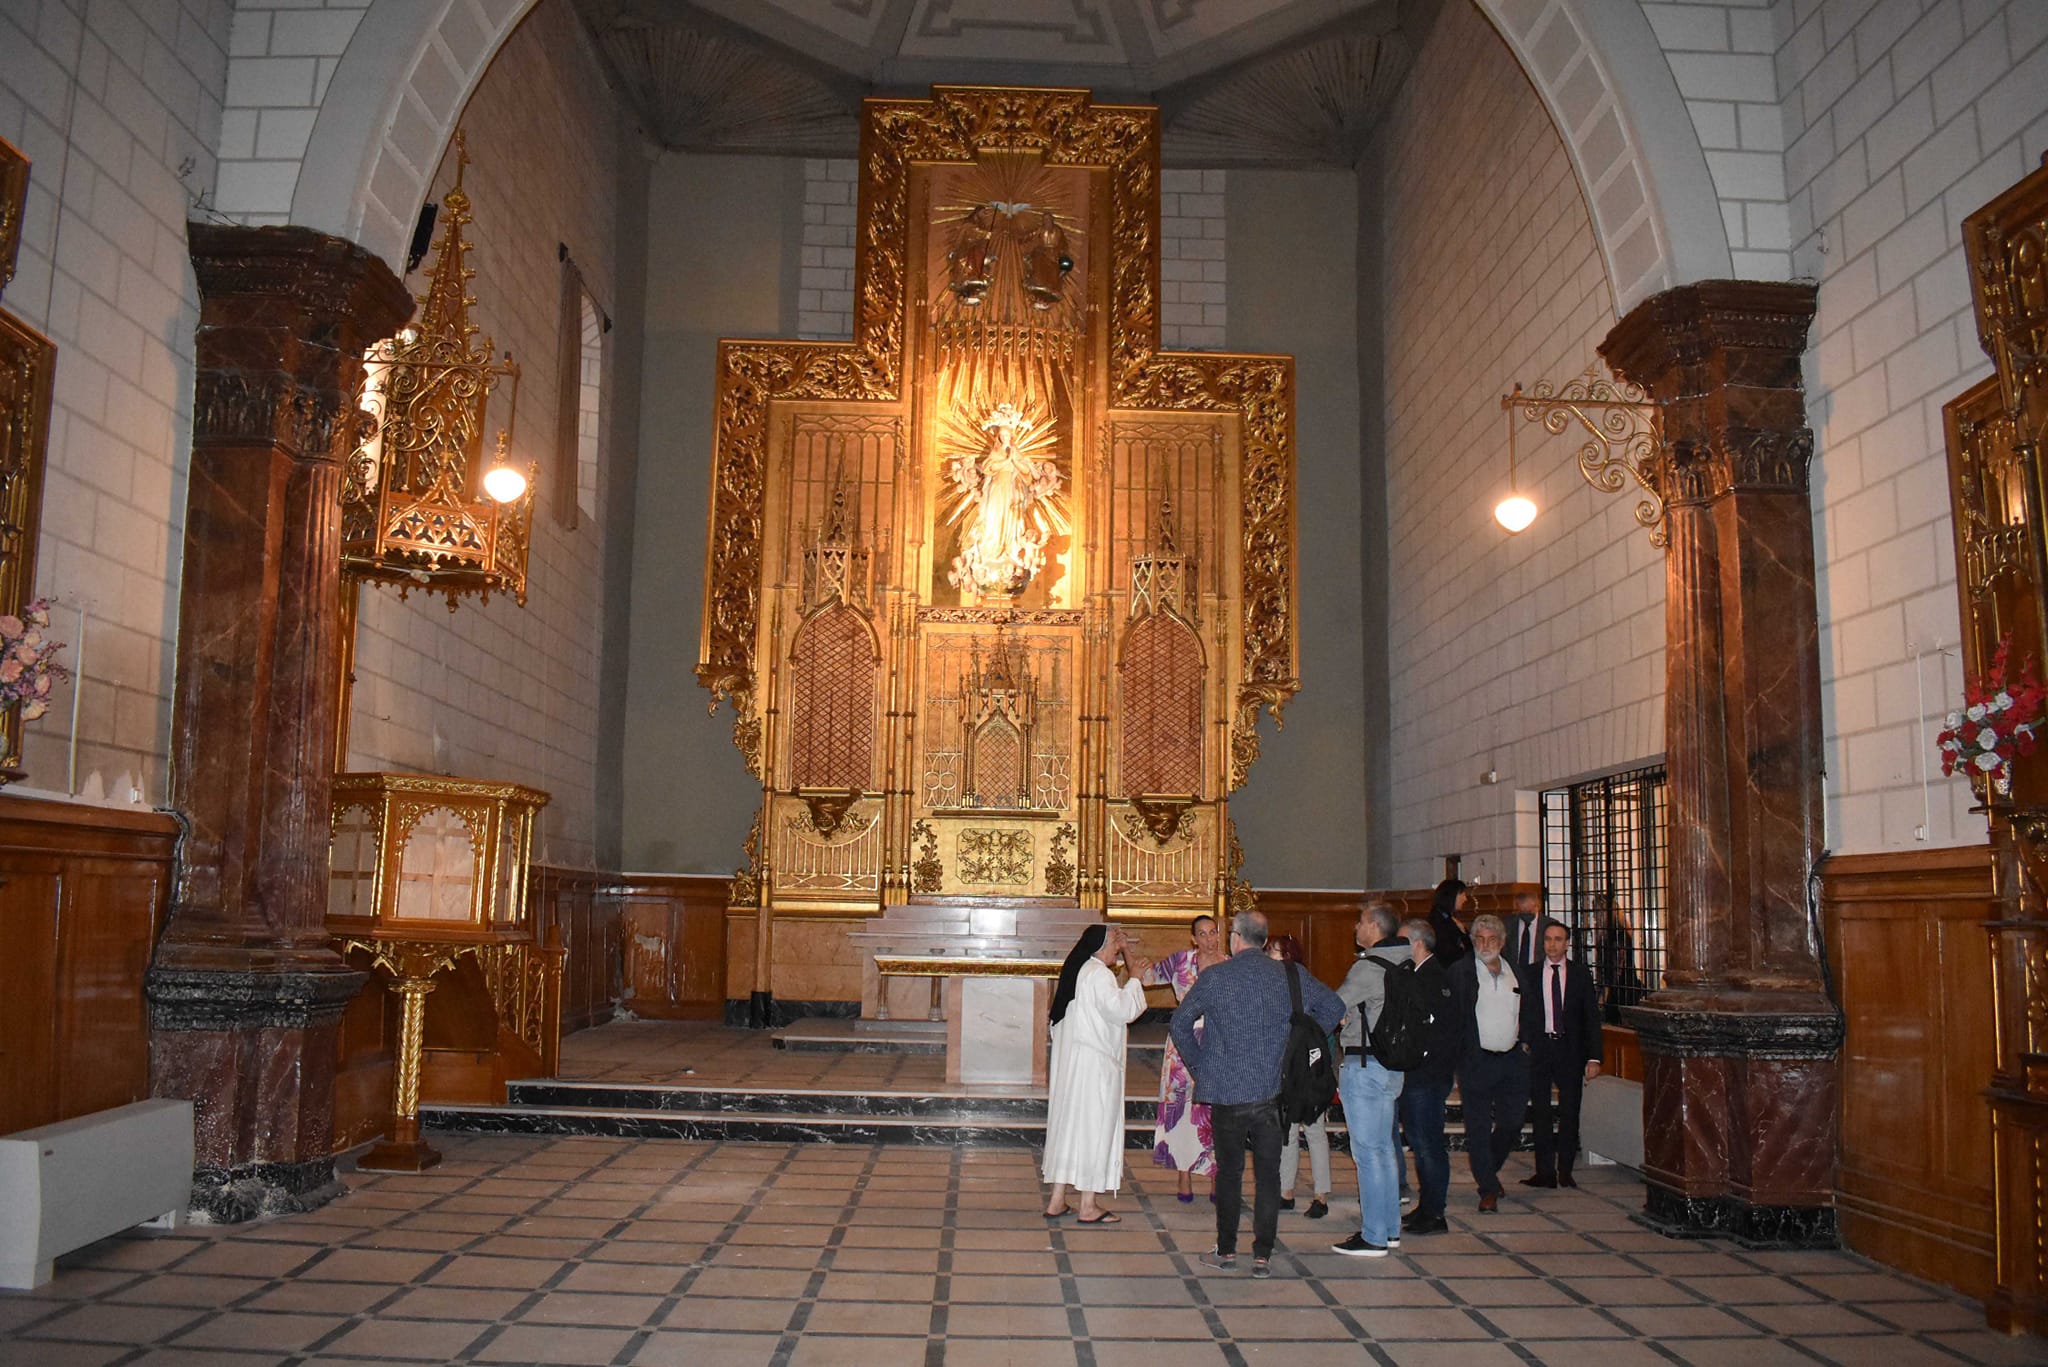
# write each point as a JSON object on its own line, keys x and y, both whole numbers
{"x": 428, "y": 1113}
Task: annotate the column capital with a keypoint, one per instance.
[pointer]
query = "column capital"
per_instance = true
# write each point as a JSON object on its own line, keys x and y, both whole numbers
{"x": 320, "y": 286}
{"x": 285, "y": 315}
{"x": 1722, "y": 359}
{"x": 1700, "y": 324}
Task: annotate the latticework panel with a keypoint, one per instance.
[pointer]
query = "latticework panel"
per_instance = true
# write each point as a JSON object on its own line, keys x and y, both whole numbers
{"x": 1161, "y": 674}
{"x": 1180, "y": 460}
{"x": 832, "y": 702}
{"x": 998, "y": 763}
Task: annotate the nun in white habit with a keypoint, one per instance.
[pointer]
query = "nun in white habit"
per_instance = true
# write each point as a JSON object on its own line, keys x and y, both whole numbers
{"x": 1084, "y": 1122}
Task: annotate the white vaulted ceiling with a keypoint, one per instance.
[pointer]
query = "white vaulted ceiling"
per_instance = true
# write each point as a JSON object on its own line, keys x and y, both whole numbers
{"x": 1240, "y": 82}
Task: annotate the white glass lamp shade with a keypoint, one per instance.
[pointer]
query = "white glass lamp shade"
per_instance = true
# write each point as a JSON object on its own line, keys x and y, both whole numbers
{"x": 505, "y": 484}
{"x": 1515, "y": 512}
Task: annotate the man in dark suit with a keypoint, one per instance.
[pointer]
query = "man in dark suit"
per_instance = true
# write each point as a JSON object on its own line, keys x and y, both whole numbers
{"x": 1565, "y": 1047}
{"x": 1525, "y": 931}
{"x": 1493, "y": 1066}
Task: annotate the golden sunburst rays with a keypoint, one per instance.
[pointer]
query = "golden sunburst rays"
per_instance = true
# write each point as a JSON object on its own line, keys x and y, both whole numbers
{"x": 1007, "y": 231}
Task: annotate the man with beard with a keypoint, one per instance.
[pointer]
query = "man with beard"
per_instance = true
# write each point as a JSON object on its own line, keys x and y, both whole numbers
{"x": 1493, "y": 1068}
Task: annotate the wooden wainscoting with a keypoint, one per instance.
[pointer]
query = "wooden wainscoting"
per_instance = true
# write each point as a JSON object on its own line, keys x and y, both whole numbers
{"x": 671, "y": 931}
{"x": 566, "y": 900}
{"x": 83, "y": 893}
{"x": 1322, "y": 919}
{"x": 1912, "y": 967}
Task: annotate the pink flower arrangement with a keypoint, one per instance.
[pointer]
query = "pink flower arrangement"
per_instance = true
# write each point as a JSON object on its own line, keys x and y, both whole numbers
{"x": 2000, "y": 716}
{"x": 28, "y": 664}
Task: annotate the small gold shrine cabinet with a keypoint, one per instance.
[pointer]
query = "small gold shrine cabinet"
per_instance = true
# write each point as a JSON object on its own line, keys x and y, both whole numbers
{"x": 998, "y": 588}
{"x": 425, "y": 871}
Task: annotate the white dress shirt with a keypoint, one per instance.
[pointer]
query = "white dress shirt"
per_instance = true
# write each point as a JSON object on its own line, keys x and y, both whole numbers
{"x": 1551, "y": 1025}
{"x": 1499, "y": 1007}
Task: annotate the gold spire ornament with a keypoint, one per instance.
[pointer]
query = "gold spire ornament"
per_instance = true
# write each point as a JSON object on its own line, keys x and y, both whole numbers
{"x": 419, "y": 508}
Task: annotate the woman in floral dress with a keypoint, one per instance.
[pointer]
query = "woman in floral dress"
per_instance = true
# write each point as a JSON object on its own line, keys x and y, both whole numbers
{"x": 1182, "y": 1139}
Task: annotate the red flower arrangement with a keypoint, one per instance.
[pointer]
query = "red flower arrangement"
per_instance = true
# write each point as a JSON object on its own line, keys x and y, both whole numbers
{"x": 2002, "y": 710}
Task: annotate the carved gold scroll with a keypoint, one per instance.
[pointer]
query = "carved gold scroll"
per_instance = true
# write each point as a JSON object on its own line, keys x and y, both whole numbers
{"x": 1997, "y": 439}
{"x": 1033, "y": 514}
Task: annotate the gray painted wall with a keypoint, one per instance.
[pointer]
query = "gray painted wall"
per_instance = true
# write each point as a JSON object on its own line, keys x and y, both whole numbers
{"x": 1293, "y": 287}
{"x": 621, "y": 494}
{"x": 722, "y": 259}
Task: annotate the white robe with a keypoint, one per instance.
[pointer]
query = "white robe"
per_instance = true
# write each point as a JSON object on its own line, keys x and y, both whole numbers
{"x": 1084, "y": 1121}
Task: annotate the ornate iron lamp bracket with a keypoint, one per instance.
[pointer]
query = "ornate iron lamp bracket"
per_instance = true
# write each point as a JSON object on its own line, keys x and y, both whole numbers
{"x": 1623, "y": 430}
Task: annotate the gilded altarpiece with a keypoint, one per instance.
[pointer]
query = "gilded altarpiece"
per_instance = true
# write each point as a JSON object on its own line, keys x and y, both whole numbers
{"x": 998, "y": 589}
{"x": 28, "y": 365}
{"x": 1997, "y": 444}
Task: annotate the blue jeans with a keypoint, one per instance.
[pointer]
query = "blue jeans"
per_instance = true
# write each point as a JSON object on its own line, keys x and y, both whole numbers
{"x": 1422, "y": 1120}
{"x": 1369, "y": 1093}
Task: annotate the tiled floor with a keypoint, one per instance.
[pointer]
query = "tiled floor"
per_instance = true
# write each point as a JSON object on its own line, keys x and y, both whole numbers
{"x": 538, "y": 1250}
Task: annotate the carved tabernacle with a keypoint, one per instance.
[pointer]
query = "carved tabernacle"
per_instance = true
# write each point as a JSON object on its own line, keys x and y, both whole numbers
{"x": 999, "y": 575}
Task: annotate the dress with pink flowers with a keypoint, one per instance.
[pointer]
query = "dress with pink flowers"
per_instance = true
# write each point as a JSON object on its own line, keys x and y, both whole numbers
{"x": 1182, "y": 1139}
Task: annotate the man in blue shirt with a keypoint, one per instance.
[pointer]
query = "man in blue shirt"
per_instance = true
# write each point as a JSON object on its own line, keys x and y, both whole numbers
{"x": 1244, "y": 1006}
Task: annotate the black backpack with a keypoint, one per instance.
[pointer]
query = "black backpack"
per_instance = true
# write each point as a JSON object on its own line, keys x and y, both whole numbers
{"x": 1308, "y": 1070}
{"x": 1402, "y": 1037}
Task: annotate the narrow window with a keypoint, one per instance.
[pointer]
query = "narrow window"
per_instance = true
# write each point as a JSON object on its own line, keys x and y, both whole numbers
{"x": 1606, "y": 849}
{"x": 579, "y": 400}
{"x": 589, "y": 404}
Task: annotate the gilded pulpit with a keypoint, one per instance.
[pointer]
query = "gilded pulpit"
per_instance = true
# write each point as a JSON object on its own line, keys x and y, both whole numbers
{"x": 998, "y": 588}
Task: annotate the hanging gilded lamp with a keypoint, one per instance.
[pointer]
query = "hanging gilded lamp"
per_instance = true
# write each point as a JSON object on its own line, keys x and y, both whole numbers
{"x": 420, "y": 508}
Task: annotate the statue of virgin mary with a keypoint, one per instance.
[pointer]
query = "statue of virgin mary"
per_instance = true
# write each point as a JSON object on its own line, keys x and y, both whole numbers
{"x": 1005, "y": 505}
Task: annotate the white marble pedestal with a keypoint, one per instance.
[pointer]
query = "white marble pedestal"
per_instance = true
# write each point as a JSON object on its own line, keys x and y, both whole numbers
{"x": 995, "y": 1029}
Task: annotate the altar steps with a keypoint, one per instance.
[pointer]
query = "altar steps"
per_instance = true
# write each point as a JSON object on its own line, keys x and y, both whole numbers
{"x": 793, "y": 1116}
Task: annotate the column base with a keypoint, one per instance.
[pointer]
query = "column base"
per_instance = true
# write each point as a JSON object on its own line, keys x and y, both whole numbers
{"x": 761, "y": 1010}
{"x": 251, "y": 1191}
{"x": 1677, "y": 1216}
{"x": 254, "y": 1050}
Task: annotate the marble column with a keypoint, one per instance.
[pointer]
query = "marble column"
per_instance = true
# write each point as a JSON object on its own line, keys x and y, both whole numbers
{"x": 246, "y": 992}
{"x": 1739, "y": 1046}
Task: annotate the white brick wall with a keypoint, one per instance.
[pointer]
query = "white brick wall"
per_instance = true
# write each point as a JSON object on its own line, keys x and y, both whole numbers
{"x": 824, "y": 301}
{"x": 494, "y": 690}
{"x": 1902, "y": 117}
{"x": 1721, "y": 53}
{"x": 1542, "y": 655}
{"x": 118, "y": 106}
{"x": 281, "y": 55}
{"x": 1192, "y": 269}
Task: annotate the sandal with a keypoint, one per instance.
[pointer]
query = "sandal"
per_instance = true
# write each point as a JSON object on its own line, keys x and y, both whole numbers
{"x": 1108, "y": 1217}
{"x": 1062, "y": 1213}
